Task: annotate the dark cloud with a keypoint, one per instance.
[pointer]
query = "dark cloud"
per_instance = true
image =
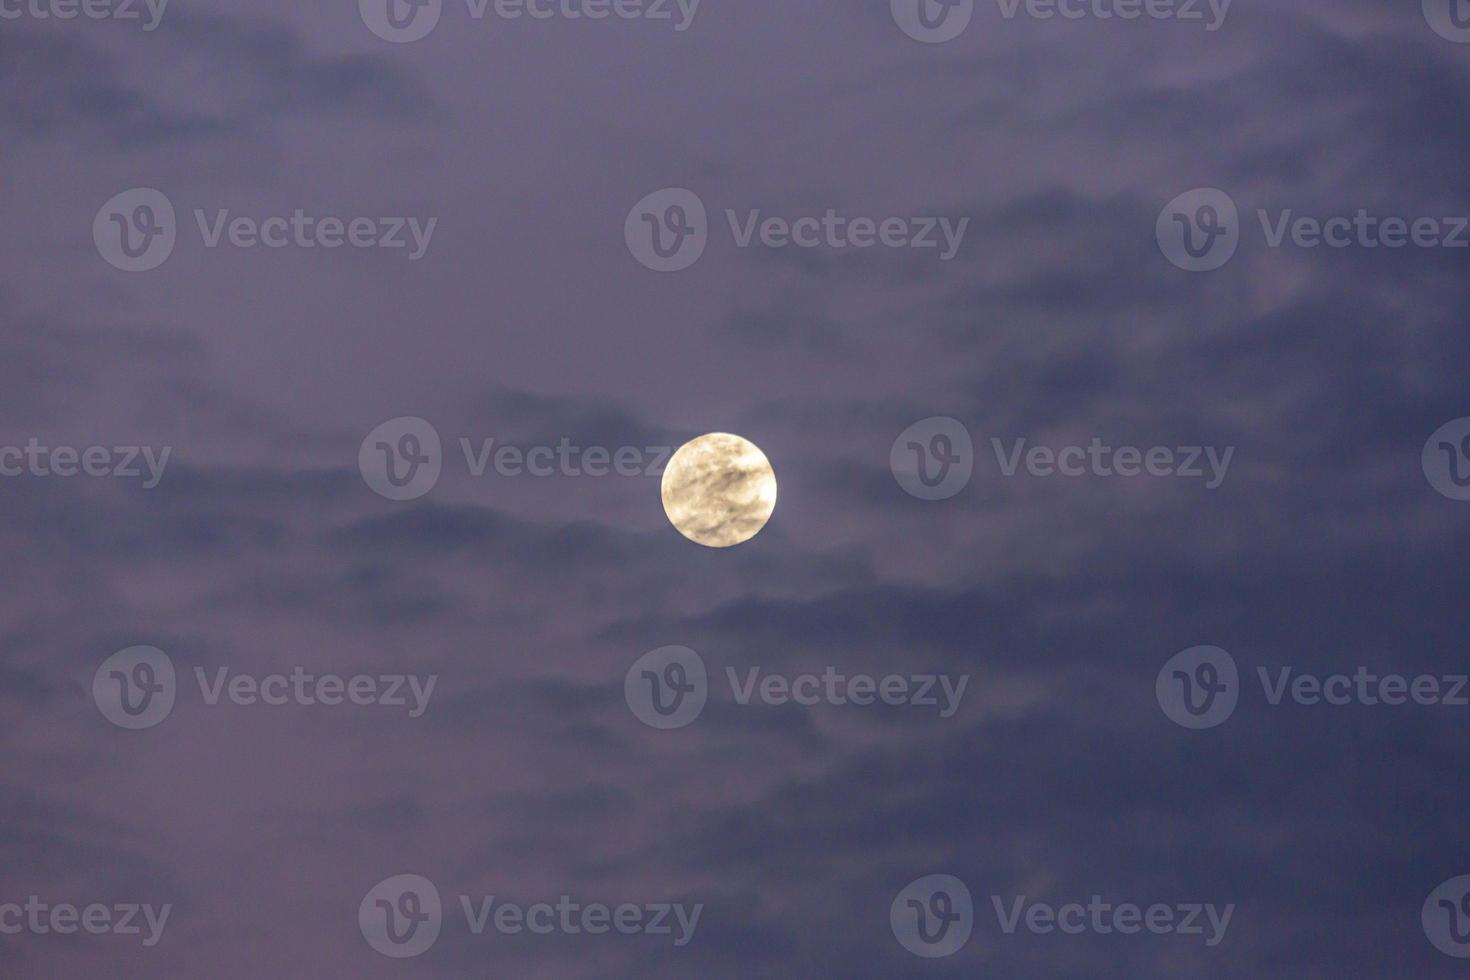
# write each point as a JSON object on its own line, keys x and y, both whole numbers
{"x": 241, "y": 75}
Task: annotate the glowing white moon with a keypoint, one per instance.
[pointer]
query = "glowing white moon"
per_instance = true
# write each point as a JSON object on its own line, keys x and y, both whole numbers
{"x": 719, "y": 490}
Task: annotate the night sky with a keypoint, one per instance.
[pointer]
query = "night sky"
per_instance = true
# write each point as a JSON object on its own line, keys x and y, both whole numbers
{"x": 1058, "y": 386}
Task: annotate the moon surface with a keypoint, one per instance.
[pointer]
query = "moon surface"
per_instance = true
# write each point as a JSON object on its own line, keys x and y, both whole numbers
{"x": 719, "y": 490}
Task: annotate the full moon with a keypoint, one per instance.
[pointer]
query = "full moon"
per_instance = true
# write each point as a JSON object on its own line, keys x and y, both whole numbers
{"x": 719, "y": 490}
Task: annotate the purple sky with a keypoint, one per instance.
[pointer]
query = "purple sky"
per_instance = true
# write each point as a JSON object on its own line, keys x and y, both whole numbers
{"x": 528, "y": 321}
